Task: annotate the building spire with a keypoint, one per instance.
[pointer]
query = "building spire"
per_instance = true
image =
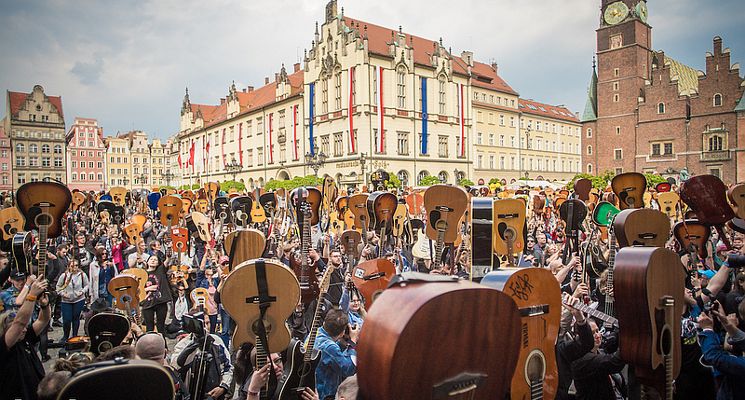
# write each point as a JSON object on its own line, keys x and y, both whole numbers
{"x": 591, "y": 105}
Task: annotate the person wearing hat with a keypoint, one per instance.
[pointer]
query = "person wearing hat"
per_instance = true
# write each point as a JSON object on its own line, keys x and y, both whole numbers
{"x": 13, "y": 296}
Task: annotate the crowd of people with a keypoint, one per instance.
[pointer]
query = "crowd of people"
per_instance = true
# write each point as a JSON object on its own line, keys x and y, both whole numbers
{"x": 182, "y": 333}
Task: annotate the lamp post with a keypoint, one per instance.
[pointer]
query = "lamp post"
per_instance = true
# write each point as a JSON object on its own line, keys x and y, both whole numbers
{"x": 233, "y": 167}
{"x": 168, "y": 175}
{"x": 457, "y": 175}
{"x": 363, "y": 159}
{"x": 315, "y": 160}
{"x": 125, "y": 181}
{"x": 142, "y": 178}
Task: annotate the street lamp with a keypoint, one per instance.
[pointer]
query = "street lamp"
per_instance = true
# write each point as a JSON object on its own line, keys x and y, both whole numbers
{"x": 142, "y": 178}
{"x": 315, "y": 160}
{"x": 363, "y": 159}
{"x": 168, "y": 175}
{"x": 126, "y": 181}
{"x": 233, "y": 167}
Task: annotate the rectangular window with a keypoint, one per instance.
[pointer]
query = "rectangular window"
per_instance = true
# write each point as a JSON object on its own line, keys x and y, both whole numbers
{"x": 403, "y": 143}
{"x": 480, "y": 161}
{"x": 338, "y": 144}
{"x": 491, "y": 161}
{"x": 479, "y": 138}
{"x": 46, "y": 162}
{"x": 325, "y": 146}
{"x": 442, "y": 146}
{"x": 618, "y": 154}
{"x": 442, "y": 96}
{"x": 668, "y": 148}
{"x": 57, "y": 162}
{"x": 337, "y": 90}
{"x": 401, "y": 89}
{"x": 259, "y": 156}
{"x": 375, "y": 88}
{"x": 501, "y": 119}
{"x": 501, "y": 140}
{"x": 259, "y": 125}
{"x": 324, "y": 96}
{"x": 250, "y": 157}
{"x": 20, "y": 161}
{"x": 619, "y": 171}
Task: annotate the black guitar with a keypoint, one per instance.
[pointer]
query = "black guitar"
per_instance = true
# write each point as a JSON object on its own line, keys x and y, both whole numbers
{"x": 573, "y": 213}
{"x": 20, "y": 249}
{"x": 300, "y": 370}
{"x": 241, "y": 207}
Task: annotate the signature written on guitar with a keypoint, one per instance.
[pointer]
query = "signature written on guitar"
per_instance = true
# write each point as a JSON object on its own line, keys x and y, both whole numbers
{"x": 521, "y": 287}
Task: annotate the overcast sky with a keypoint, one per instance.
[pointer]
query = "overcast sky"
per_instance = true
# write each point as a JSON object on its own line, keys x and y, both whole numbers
{"x": 127, "y": 63}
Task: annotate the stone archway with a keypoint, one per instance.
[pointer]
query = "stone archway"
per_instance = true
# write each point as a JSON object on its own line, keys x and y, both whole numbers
{"x": 283, "y": 175}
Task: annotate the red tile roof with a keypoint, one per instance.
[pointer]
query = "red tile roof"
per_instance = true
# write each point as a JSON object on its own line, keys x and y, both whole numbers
{"x": 546, "y": 110}
{"x": 378, "y": 43}
{"x": 16, "y": 100}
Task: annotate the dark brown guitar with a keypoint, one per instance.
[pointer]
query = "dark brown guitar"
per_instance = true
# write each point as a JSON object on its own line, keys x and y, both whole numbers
{"x": 692, "y": 237}
{"x": 426, "y": 306}
{"x": 381, "y": 207}
{"x": 371, "y": 277}
{"x": 641, "y": 227}
{"x": 649, "y": 285}
{"x": 629, "y": 187}
{"x": 582, "y": 189}
{"x": 706, "y": 195}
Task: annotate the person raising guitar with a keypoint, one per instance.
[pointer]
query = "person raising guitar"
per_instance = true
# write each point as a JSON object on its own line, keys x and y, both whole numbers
{"x": 155, "y": 305}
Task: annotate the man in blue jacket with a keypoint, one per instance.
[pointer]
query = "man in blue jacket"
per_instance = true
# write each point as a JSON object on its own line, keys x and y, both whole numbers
{"x": 731, "y": 367}
{"x": 337, "y": 359}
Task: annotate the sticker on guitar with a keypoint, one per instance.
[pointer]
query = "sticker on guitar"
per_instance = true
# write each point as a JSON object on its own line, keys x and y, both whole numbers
{"x": 521, "y": 287}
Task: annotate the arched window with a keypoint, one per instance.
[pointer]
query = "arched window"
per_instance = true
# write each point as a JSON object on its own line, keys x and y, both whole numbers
{"x": 74, "y": 176}
{"x": 33, "y": 148}
{"x": 401, "y": 87}
{"x": 443, "y": 176}
{"x": 715, "y": 143}
{"x": 20, "y": 148}
{"x": 403, "y": 176}
{"x": 45, "y": 148}
{"x": 661, "y": 108}
{"x": 717, "y": 100}
{"x": 589, "y": 132}
{"x": 91, "y": 176}
{"x": 589, "y": 168}
{"x": 58, "y": 149}
{"x": 82, "y": 176}
{"x": 589, "y": 150}
{"x": 421, "y": 176}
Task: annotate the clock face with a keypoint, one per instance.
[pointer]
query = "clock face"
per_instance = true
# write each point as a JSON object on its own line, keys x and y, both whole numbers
{"x": 641, "y": 11}
{"x": 616, "y": 12}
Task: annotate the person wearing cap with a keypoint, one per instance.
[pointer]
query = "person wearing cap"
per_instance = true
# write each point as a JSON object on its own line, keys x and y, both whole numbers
{"x": 13, "y": 296}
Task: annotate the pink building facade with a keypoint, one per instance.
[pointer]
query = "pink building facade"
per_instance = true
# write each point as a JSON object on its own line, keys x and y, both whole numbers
{"x": 85, "y": 155}
{"x": 6, "y": 166}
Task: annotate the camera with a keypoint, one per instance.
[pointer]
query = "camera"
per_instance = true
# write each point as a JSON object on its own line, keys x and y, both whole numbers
{"x": 709, "y": 306}
{"x": 195, "y": 324}
{"x": 736, "y": 260}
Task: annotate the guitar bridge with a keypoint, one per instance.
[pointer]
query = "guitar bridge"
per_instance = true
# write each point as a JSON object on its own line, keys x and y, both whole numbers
{"x": 462, "y": 383}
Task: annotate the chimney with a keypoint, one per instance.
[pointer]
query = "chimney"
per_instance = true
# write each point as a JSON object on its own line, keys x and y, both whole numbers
{"x": 266, "y": 80}
{"x": 243, "y": 90}
{"x": 222, "y": 100}
{"x": 467, "y": 56}
{"x": 296, "y": 67}
{"x": 250, "y": 89}
{"x": 495, "y": 67}
{"x": 276, "y": 77}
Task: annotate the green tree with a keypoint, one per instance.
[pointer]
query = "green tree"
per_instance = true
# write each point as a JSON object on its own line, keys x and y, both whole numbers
{"x": 654, "y": 179}
{"x": 393, "y": 182}
{"x": 495, "y": 180}
{"x": 227, "y": 185}
{"x": 466, "y": 182}
{"x": 429, "y": 180}
{"x": 598, "y": 181}
{"x": 298, "y": 181}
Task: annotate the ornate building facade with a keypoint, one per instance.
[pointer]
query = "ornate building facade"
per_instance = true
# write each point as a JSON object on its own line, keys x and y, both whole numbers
{"x": 85, "y": 155}
{"x": 118, "y": 161}
{"x": 647, "y": 112}
{"x": 6, "y": 162}
{"x": 36, "y": 126}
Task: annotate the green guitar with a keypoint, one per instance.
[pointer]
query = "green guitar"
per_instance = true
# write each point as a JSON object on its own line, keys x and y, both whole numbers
{"x": 604, "y": 213}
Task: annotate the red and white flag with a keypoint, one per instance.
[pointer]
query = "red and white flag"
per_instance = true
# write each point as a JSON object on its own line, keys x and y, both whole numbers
{"x": 271, "y": 146}
{"x": 350, "y": 112}
{"x": 191, "y": 155}
{"x": 240, "y": 142}
{"x": 461, "y": 109}
{"x": 294, "y": 131}
{"x": 380, "y": 146}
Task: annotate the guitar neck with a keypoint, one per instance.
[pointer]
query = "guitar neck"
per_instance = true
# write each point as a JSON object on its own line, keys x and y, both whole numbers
{"x": 262, "y": 358}
{"x": 42, "y": 270}
{"x": 609, "y": 298}
{"x": 593, "y": 313}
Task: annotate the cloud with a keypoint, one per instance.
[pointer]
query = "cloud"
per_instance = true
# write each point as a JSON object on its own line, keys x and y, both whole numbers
{"x": 127, "y": 62}
{"x": 88, "y": 72}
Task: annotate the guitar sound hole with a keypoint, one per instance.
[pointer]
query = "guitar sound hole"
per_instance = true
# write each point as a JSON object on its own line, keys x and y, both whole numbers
{"x": 666, "y": 342}
{"x": 535, "y": 367}
{"x": 43, "y": 219}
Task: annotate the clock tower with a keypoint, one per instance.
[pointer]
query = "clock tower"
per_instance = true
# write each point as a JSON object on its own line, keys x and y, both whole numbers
{"x": 624, "y": 57}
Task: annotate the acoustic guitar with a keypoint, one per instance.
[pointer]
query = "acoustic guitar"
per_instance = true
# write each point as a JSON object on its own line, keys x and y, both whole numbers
{"x": 604, "y": 213}
{"x": 706, "y": 196}
{"x": 508, "y": 222}
{"x": 202, "y": 205}
{"x": 668, "y": 202}
{"x": 641, "y": 227}
{"x": 300, "y": 260}
{"x": 202, "y": 225}
{"x": 200, "y": 298}
{"x": 257, "y": 211}
{"x": 422, "y": 305}
{"x": 243, "y": 245}
{"x": 400, "y": 216}
{"x": 582, "y": 189}
{"x": 351, "y": 240}
{"x": 538, "y": 297}
{"x": 372, "y": 277}
{"x": 186, "y": 204}
{"x": 241, "y": 207}
{"x": 43, "y": 205}
{"x": 573, "y": 212}
{"x": 736, "y": 195}
{"x": 483, "y": 259}
{"x": 179, "y": 240}
{"x": 445, "y": 205}
{"x": 140, "y": 220}
{"x": 124, "y": 289}
{"x": 260, "y": 295}
{"x": 118, "y": 195}
{"x": 649, "y": 286}
{"x": 78, "y": 200}
{"x": 21, "y": 246}
{"x": 629, "y": 187}
{"x": 11, "y": 221}
{"x": 170, "y": 210}
{"x": 381, "y": 207}
{"x": 221, "y": 210}
{"x": 415, "y": 201}
{"x": 132, "y": 232}
{"x": 140, "y": 275}
{"x": 212, "y": 189}
{"x": 312, "y": 196}
{"x": 585, "y": 308}
{"x": 153, "y": 199}
{"x": 357, "y": 204}
{"x": 107, "y": 330}
{"x": 692, "y": 237}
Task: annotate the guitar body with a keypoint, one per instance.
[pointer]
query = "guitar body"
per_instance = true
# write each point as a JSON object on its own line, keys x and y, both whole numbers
{"x": 706, "y": 195}
{"x": 179, "y": 239}
{"x": 268, "y": 202}
{"x": 43, "y": 203}
{"x": 106, "y": 331}
{"x": 641, "y": 227}
{"x": 170, "y": 210}
{"x": 188, "y": 194}
{"x": 648, "y": 285}
{"x": 415, "y": 201}
{"x": 221, "y": 208}
{"x": 118, "y": 195}
{"x": 482, "y": 233}
{"x": 152, "y": 200}
{"x": 371, "y": 278}
{"x": 399, "y": 219}
{"x": 692, "y": 233}
{"x": 668, "y": 202}
{"x": 21, "y": 249}
{"x": 133, "y": 232}
{"x": 139, "y": 220}
{"x": 241, "y": 284}
{"x": 394, "y": 330}
{"x": 299, "y": 371}
{"x": 538, "y": 297}
{"x": 140, "y": 275}
{"x": 574, "y": 211}
{"x": 445, "y": 205}
{"x": 357, "y": 204}
{"x": 202, "y": 206}
{"x": 381, "y": 206}
{"x": 582, "y": 189}
{"x": 351, "y": 241}
{"x": 212, "y": 189}
{"x": 78, "y": 200}
{"x": 124, "y": 289}
{"x": 186, "y": 204}
{"x": 604, "y": 213}
{"x": 199, "y": 298}
{"x": 11, "y": 221}
{"x": 202, "y": 224}
{"x": 241, "y": 207}
{"x": 249, "y": 244}
{"x": 312, "y": 197}
{"x": 257, "y": 211}
{"x": 509, "y": 220}
{"x": 629, "y": 187}
{"x": 421, "y": 248}
{"x": 736, "y": 195}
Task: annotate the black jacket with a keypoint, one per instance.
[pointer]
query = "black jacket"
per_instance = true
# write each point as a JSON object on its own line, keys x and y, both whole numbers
{"x": 568, "y": 351}
{"x": 592, "y": 375}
